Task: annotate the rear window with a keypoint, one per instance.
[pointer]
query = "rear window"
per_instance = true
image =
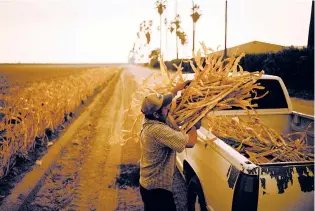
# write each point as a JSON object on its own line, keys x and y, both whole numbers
{"x": 274, "y": 99}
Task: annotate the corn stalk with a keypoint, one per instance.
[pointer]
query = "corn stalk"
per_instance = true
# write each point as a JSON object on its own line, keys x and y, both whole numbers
{"x": 260, "y": 143}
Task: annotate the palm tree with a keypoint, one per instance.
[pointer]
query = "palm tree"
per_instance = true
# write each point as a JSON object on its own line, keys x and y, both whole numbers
{"x": 154, "y": 56}
{"x": 176, "y": 24}
{"x": 140, "y": 30}
{"x": 182, "y": 36}
{"x": 195, "y": 15}
{"x": 131, "y": 56}
{"x": 171, "y": 27}
{"x": 225, "y": 31}
{"x": 139, "y": 35}
{"x": 140, "y": 27}
{"x": 165, "y": 23}
{"x": 160, "y": 6}
{"x": 147, "y": 31}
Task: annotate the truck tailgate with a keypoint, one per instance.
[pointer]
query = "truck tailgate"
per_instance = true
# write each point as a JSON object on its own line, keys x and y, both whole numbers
{"x": 286, "y": 187}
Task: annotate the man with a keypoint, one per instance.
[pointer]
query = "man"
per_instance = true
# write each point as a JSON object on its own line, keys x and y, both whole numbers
{"x": 159, "y": 144}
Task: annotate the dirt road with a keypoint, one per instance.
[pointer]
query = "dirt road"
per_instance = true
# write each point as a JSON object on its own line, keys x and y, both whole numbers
{"x": 85, "y": 176}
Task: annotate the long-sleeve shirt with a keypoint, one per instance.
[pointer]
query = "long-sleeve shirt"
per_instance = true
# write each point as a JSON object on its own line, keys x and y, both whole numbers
{"x": 159, "y": 144}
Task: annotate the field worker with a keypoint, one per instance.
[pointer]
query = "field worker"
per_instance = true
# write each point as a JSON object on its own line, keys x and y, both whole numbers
{"x": 159, "y": 143}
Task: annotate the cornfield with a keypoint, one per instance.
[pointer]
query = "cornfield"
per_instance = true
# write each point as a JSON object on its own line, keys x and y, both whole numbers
{"x": 27, "y": 112}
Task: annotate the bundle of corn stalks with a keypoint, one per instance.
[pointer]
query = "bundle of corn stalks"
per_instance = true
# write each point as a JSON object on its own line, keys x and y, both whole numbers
{"x": 219, "y": 84}
{"x": 258, "y": 142}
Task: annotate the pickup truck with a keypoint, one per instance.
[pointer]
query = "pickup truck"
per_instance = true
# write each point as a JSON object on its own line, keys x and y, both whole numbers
{"x": 220, "y": 178}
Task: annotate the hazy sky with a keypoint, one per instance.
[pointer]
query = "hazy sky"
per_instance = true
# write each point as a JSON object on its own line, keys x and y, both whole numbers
{"x": 105, "y": 30}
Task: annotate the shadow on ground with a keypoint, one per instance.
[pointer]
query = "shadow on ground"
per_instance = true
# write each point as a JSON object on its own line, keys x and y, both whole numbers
{"x": 129, "y": 176}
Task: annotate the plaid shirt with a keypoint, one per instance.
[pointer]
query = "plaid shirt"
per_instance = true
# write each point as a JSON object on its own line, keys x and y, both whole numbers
{"x": 159, "y": 144}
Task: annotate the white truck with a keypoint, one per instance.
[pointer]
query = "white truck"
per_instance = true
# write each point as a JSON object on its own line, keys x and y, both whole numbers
{"x": 220, "y": 178}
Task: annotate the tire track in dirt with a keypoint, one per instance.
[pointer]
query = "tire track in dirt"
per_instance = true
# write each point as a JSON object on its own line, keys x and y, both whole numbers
{"x": 129, "y": 198}
{"x": 100, "y": 167}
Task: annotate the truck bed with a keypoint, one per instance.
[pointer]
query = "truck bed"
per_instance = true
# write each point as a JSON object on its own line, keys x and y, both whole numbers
{"x": 284, "y": 124}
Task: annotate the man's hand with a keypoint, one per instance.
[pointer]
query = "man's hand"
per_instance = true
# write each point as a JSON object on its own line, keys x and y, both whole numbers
{"x": 192, "y": 134}
{"x": 180, "y": 86}
{"x": 198, "y": 124}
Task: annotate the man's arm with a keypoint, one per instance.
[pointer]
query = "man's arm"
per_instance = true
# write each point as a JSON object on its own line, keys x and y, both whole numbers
{"x": 166, "y": 136}
{"x": 173, "y": 139}
{"x": 192, "y": 134}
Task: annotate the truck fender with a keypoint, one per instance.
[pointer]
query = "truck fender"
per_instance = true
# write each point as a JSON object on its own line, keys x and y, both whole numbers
{"x": 188, "y": 172}
{"x": 194, "y": 187}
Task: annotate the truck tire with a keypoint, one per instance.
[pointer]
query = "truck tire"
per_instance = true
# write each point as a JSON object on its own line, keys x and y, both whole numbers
{"x": 196, "y": 198}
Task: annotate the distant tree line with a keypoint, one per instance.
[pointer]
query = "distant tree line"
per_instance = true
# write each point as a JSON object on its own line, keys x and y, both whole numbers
{"x": 294, "y": 66}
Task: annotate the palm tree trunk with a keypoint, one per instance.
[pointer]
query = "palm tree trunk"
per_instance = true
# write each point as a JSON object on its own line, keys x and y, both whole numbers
{"x": 193, "y": 48}
{"x": 176, "y": 47}
{"x": 225, "y": 50}
{"x": 165, "y": 41}
{"x": 160, "y": 36}
{"x": 176, "y": 31}
{"x": 194, "y": 31}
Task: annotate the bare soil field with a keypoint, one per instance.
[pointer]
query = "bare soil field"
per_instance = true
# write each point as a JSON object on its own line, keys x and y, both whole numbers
{"x": 29, "y": 73}
{"x": 24, "y": 74}
{"x": 303, "y": 106}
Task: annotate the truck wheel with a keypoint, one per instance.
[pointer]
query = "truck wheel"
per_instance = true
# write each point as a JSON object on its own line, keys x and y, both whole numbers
{"x": 196, "y": 199}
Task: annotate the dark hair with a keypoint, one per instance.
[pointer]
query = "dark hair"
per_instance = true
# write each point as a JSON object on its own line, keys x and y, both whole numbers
{"x": 152, "y": 117}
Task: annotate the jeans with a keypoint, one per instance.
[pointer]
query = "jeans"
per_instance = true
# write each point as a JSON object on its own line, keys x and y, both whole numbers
{"x": 157, "y": 199}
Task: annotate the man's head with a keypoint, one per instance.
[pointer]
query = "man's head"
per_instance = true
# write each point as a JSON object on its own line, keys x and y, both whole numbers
{"x": 155, "y": 106}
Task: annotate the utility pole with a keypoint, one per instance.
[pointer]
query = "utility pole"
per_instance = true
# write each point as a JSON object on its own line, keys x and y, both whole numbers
{"x": 310, "y": 41}
{"x": 193, "y": 48}
{"x": 225, "y": 51}
{"x": 176, "y": 31}
{"x": 166, "y": 32}
{"x": 161, "y": 36}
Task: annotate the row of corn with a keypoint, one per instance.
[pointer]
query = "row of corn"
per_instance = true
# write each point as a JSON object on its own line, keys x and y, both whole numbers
{"x": 30, "y": 110}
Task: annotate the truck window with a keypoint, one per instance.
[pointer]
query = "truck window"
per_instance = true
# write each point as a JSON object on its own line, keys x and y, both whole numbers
{"x": 274, "y": 99}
